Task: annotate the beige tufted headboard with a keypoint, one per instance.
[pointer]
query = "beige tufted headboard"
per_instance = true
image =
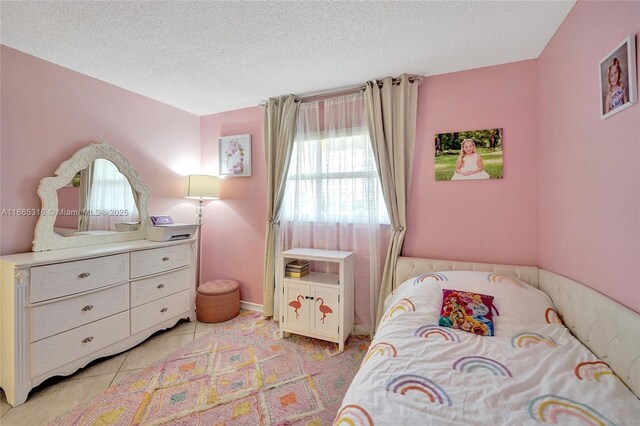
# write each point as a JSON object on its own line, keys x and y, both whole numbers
{"x": 408, "y": 267}
{"x": 608, "y": 329}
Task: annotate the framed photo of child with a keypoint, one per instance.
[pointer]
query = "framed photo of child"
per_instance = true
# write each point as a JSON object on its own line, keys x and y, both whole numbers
{"x": 618, "y": 78}
{"x": 469, "y": 155}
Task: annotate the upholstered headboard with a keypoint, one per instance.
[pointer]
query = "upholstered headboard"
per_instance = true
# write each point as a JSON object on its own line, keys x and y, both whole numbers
{"x": 608, "y": 329}
{"x": 408, "y": 267}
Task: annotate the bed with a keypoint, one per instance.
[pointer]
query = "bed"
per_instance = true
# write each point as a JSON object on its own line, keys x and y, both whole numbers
{"x": 533, "y": 370}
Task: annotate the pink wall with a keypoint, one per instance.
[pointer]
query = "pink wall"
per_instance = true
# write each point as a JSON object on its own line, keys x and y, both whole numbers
{"x": 483, "y": 221}
{"x": 589, "y": 169}
{"x": 49, "y": 112}
{"x": 234, "y": 229}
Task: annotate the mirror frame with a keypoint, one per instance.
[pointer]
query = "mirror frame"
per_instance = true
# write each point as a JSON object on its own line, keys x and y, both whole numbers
{"x": 44, "y": 236}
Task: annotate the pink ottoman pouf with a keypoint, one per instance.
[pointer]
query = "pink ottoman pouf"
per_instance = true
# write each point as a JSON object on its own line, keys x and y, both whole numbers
{"x": 217, "y": 300}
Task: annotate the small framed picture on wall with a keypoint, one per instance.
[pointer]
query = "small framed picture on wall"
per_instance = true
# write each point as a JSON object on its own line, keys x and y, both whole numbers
{"x": 618, "y": 78}
{"x": 235, "y": 155}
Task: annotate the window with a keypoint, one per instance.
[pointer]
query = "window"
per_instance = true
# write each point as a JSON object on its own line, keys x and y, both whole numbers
{"x": 334, "y": 180}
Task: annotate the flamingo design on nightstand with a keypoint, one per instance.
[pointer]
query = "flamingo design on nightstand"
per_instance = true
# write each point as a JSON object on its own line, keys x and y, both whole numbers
{"x": 296, "y": 304}
{"x": 324, "y": 309}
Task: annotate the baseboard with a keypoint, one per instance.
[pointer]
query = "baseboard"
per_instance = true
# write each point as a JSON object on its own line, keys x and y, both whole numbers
{"x": 250, "y": 306}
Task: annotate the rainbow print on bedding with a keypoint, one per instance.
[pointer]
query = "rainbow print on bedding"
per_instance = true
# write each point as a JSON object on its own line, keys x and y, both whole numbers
{"x": 531, "y": 371}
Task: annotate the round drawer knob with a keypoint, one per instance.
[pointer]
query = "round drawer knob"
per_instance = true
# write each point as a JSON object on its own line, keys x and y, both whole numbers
{"x": 87, "y": 339}
{"x": 164, "y": 259}
{"x": 164, "y": 309}
{"x": 160, "y": 286}
{"x": 84, "y": 275}
{"x": 87, "y": 308}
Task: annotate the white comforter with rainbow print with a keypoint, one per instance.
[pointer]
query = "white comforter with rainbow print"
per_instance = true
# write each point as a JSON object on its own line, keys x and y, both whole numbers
{"x": 532, "y": 371}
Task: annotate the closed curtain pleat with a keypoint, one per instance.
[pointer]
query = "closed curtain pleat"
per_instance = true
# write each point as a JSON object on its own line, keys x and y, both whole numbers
{"x": 391, "y": 109}
{"x": 86, "y": 177}
{"x": 136, "y": 199}
{"x": 279, "y": 133}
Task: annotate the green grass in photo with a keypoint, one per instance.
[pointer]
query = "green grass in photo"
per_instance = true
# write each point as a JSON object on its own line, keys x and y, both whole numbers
{"x": 446, "y": 163}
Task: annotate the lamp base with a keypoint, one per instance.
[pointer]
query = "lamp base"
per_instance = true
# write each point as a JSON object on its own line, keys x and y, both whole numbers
{"x": 200, "y": 212}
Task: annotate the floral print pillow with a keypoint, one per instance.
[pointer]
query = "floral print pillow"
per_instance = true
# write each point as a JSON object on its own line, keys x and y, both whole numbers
{"x": 467, "y": 311}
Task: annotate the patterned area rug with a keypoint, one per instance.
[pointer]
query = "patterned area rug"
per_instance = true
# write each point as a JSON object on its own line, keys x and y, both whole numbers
{"x": 239, "y": 374}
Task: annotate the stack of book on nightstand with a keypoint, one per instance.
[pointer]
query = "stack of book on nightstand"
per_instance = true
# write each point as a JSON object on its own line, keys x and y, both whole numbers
{"x": 297, "y": 268}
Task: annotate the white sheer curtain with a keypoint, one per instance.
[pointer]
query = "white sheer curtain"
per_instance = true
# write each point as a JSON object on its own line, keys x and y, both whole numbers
{"x": 111, "y": 197}
{"x": 333, "y": 198}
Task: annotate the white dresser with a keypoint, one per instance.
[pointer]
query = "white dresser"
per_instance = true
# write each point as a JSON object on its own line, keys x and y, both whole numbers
{"x": 61, "y": 309}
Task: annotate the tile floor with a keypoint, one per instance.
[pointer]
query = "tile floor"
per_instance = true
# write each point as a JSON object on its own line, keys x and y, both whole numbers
{"x": 59, "y": 394}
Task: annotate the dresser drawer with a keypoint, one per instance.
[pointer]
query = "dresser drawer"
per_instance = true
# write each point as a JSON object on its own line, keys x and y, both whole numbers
{"x": 155, "y": 312}
{"x": 63, "y": 348}
{"x": 162, "y": 259}
{"x": 150, "y": 289}
{"x": 62, "y": 279}
{"x": 56, "y": 317}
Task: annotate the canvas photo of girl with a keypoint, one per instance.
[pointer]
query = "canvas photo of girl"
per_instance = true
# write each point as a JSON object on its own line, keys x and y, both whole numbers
{"x": 469, "y": 155}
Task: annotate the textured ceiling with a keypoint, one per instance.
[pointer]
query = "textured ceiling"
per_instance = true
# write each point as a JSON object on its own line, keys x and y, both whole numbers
{"x": 207, "y": 57}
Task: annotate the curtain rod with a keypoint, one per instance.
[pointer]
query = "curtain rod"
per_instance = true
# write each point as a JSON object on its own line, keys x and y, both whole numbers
{"x": 344, "y": 89}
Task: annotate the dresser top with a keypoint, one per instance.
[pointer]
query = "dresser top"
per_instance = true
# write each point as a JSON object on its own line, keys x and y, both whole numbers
{"x": 78, "y": 253}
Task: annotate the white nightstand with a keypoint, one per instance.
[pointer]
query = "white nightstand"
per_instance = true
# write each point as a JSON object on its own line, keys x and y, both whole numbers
{"x": 318, "y": 305}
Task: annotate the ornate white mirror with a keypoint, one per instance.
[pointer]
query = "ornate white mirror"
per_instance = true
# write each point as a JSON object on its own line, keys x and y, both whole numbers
{"x": 96, "y": 197}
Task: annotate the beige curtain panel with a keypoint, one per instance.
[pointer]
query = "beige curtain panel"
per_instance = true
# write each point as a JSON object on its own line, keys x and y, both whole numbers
{"x": 86, "y": 180}
{"x": 279, "y": 133}
{"x": 391, "y": 109}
